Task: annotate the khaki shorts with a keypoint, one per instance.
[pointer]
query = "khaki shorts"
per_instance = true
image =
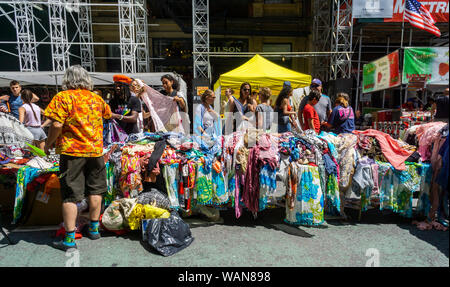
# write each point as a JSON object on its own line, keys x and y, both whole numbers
{"x": 81, "y": 176}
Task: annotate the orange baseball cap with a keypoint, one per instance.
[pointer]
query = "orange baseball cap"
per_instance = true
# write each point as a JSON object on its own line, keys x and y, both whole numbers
{"x": 122, "y": 79}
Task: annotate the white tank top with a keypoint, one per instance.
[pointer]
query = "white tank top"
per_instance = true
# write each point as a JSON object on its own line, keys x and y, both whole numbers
{"x": 30, "y": 119}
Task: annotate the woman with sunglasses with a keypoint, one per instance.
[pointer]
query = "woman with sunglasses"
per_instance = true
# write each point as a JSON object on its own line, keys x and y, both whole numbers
{"x": 245, "y": 104}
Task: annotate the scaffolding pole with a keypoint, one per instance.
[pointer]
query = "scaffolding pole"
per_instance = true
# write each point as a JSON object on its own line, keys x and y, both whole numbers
{"x": 85, "y": 26}
{"x": 26, "y": 41}
{"x": 127, "y": 36}
{"x": 341, "y": 40}
{"x": 141, "y": 37}
{"x": 58, "y": 35}
{"x": 200, "y": 34}
{"x": 321, "y": 36}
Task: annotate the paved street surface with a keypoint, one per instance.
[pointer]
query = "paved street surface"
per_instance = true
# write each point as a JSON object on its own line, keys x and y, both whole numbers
{"x": 266, "y": 241}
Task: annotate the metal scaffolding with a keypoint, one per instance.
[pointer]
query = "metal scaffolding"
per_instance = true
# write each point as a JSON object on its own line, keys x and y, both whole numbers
{"x": 141, "y": 37}
{"x": 85, "y": 28}
{"x": 341, "y": 39}
{"x": 26, "y": 42}
{"x": 58, "y": 35}
{"x": 132, "y": 24}
{"x": 200, "y": 34}
{"x": 127, "y": 36}
{"x": 321, "y": 38}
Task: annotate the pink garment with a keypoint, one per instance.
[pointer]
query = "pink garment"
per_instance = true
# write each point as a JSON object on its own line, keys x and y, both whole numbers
{"x": 162, "y": 107}
{"x": 427, "y": 134}
{"x": 268, "y": 150}
{"x": 375, "y": 189}
{"x": 237, "y": 205}
{"x": 390, "y": 148}
{"x": 250, "y": 192}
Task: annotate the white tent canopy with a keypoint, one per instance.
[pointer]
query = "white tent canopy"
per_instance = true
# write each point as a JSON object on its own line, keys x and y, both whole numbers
{"x": 99, "y": 79}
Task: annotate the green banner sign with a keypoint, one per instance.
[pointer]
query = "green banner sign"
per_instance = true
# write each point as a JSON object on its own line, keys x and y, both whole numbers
{"x": 381, "y": 74}
{"x": 431, "y": 63}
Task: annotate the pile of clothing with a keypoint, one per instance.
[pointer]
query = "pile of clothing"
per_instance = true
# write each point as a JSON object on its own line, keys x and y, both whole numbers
{"x": 432, "y": 141}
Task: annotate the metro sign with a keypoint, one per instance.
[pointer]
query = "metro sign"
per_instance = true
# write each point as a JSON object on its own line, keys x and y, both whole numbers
{"x": 438, "y": 8}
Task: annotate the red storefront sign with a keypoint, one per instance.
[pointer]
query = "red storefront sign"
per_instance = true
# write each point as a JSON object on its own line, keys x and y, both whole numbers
{"x": 438, "y": 9}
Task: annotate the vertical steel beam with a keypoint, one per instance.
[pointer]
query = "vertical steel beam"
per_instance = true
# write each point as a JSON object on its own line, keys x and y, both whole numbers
{"x": 141, "y": 36}
{"x": 127, "y": 36}
{"x": 341, "y": 40}
{"x": 200, "y": 34}
{"x": 85, "y": 30}
{"x": 58, "y": 35}
{"x": 26, "y": 41}
{"x": 321, "y": 36}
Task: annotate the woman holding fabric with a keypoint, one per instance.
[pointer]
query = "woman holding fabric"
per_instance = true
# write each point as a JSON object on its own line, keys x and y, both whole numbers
{"x": 172, "y": 89}
{"x": 206, "y": 120}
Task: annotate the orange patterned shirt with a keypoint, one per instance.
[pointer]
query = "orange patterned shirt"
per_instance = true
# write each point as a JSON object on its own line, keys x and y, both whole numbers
{"x": 81, "y": 112}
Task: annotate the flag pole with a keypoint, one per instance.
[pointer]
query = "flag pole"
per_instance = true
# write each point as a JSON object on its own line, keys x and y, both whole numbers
{"x": 402, "y": 52}
{"x": 403, "y": 24}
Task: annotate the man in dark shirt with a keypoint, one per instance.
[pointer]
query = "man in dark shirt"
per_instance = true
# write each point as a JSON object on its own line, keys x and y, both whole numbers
{"x": 125, "y": 106}
{"x": 441, "y": 107}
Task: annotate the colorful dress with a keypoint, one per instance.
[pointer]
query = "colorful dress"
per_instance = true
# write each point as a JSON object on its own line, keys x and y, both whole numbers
{"x": 308, "y": 199}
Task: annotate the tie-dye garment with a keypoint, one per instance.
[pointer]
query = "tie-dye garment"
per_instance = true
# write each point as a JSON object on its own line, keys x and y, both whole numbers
{"x": 82, "y": 113}
{"x": 172, "y": 178}
{"x": 111, "y": 193}
{"x": 267, "y": 184}
{"x": 130, "y": 180}
{"x": 397, "y": 187}
{"x": 333, "y": 201}
{"x": 308, "y": 200}
{"x": 25, "y": 175}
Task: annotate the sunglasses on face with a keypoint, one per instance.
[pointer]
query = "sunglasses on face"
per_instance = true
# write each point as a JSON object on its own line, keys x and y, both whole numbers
{"x": 246, "y": 90}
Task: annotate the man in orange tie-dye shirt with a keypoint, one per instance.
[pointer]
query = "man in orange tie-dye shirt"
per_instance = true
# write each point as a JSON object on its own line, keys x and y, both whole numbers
{"x": 77, "y": 131}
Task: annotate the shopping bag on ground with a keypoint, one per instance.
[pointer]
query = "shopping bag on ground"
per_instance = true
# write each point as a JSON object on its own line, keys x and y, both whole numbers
{"x": 167, "y": 235}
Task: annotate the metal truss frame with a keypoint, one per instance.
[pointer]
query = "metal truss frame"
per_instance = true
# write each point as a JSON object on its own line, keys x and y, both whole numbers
{"x": 143, "y": 64}
{"x": 133, "y": 29}
{"x": 200, "y": 34}
{"x": 321, "y": 38}
{"x": 341, "y": 39}
{"x": 58, "y": 35}
{"x": 127, "y": 36}
{"x": 26, "y": 41}
{"x": 85, "y": 28}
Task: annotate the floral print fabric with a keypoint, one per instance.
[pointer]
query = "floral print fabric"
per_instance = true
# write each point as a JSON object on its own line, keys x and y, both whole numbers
{"x": 81, "y": 112}
{"x": 308, "y": 200}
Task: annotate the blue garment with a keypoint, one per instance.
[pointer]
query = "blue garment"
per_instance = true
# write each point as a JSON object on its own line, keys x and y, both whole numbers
{"x": 330, "y": 166}
{"x": 442, "y": 178}
{"x": 342, "y": 119}
{"x": 14, "y": 104}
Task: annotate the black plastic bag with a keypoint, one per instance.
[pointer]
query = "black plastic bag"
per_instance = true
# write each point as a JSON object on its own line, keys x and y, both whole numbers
{"x": 168, "y": 235}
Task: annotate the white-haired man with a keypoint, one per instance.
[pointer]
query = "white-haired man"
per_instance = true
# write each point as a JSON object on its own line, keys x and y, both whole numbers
{"x": 77, "y": 130}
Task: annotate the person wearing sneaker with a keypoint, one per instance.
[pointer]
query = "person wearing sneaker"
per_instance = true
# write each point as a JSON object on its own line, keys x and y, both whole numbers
{"x": 77, "y": 132}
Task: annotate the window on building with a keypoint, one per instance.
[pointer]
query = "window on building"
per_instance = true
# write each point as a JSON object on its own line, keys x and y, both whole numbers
{"x": 279, "y": 47}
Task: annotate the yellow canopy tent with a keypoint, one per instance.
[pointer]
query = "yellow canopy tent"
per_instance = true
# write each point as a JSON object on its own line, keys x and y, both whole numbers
{"x": 260, "y": 72}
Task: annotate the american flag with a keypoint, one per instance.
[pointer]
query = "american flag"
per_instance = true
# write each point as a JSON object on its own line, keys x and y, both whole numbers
{"x": 420, "y": 17}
